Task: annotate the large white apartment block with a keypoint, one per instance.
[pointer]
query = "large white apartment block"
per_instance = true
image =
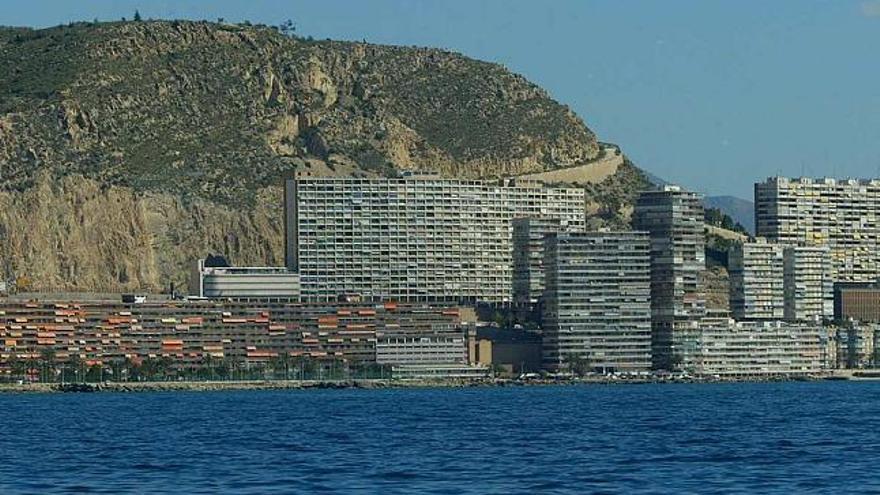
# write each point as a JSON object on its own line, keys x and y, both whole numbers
{"x": 809, "y": 283}
{"x": 674, "y": 219}
{"x": 757, "y": 290}
{"x": 842, "y": 214}
{"x": 528, "y": 255}
{"x": 413, "y": 239}
{"x": 597, "y": 300}
{"x": 756, "y": 348}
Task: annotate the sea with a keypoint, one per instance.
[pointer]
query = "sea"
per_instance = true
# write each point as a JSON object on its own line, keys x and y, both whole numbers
{"x": 796, "y": 437}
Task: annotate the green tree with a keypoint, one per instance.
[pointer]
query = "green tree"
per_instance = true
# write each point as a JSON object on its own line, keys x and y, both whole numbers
{"x": 675, "y": 361}
{"x": 280, "y": 366}
{"x": 137, "y": 16}
{"x": 18, "y": 367}
{"x": 95, "y": 373}
{"x": 576, "y": 364}
{"x": 117, "y": 369}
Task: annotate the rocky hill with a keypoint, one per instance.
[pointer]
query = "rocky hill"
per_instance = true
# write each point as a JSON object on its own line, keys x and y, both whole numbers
{"x": 128, "y": 149}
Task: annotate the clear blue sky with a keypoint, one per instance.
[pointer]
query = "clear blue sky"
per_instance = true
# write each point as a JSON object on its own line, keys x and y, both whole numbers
{"x": 713, "y": 95}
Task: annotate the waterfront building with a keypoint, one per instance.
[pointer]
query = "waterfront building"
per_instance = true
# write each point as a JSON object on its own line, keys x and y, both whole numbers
{"x": 757, "y": 280}
{"x": 808, "y": 283}
{"x": 413, "y": 239}
{"x": 528, "y": 255}
{"x": 244, "y": 283}
{"x": 758, "y": 348}
{"x": 856, "y": 345}
{"x": 194, "y": 334}
{"x": 857, "y": 301}
{"x": 842, "y": 214}
{"x": 421, "y": 348}
{"x": 513, "y": 350}
{"x": 674, "y": 220}
{"x": 597, "y": 303}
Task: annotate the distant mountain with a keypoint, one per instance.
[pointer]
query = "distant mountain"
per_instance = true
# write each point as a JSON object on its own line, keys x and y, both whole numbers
{"x": 740, "y": 210}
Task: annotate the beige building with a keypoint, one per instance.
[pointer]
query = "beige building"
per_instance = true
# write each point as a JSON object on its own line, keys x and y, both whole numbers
{"x": 842, "y": 214}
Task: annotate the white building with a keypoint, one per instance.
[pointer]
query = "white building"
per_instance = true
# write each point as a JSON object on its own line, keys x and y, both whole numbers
{"x": 425, "y": 348}
{"x": 413, "y": 239}
{"x": 759, "y": 348}
{"x": 242, "y": 283}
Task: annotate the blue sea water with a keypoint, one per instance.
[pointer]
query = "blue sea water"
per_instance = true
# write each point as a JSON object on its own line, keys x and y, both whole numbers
{"x": 731, "y": 438}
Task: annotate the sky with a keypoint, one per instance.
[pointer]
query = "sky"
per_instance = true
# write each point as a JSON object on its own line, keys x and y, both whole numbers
{"x": 712, "y": 95}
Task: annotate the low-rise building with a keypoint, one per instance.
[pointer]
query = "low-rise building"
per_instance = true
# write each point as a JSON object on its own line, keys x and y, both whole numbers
{"x": 422, "y": 348}
{"x": 759, "y": 348}
{"x": 244, "y": 283}
{"x": 439, "y": 371}
{"x": 193, "y": 334}
{"x": 856, "y": 345}
{"x": 857, "y": 301}
{"x": 514, "y": 350}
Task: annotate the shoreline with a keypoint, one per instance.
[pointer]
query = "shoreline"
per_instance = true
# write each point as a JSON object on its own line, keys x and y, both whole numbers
{"x": 220, "y": 386}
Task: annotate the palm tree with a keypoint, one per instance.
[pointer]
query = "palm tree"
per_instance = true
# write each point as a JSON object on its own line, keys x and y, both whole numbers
{"x": 280, "y": 365}
{"x": 47, "y": 365}
{"x": 117, "y": 367}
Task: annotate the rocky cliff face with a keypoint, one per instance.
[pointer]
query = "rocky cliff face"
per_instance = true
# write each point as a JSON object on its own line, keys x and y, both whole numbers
{"x": 129, "y": 149}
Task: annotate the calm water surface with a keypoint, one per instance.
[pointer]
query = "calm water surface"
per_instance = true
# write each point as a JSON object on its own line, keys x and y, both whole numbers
{"x": 732, "y": 438}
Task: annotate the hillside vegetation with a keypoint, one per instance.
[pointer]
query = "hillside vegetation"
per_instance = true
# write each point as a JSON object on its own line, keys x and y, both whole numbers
{"x": 127, "y": 149}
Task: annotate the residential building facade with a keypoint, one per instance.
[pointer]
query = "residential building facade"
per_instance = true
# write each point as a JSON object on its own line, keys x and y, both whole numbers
{"x": 757, "y": 289}
{"x": 194, "y": 333}
{"x": 842, "y": 214}
{"x": 674, "y": 220}
{"x": 528, "y": 255}
{"x": 808, "y": 283}
{"x": 244, "y": 283}
{"x": 759, "y": 348}
{"x": 597, "y": 300}
{"x": 413, "y": 239}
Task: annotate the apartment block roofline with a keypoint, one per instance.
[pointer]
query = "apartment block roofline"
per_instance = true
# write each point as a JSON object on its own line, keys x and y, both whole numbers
{"x": 852, "y": 181}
